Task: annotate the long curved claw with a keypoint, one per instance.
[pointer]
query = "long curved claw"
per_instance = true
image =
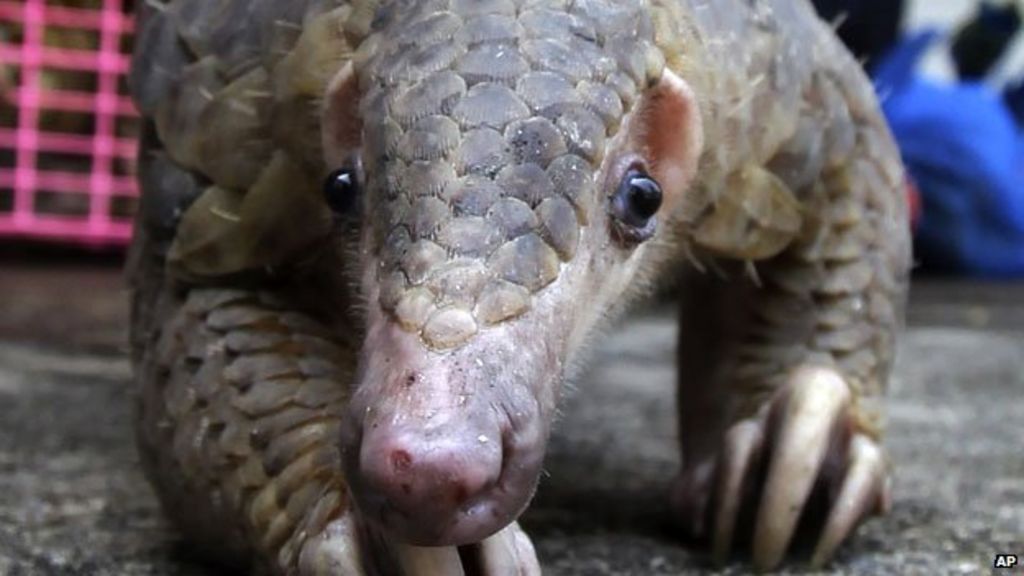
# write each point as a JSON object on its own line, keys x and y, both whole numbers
{"x": 816, "y": 398}
{"x": 336, "y": 551}
{"x": 864, "y": 490}
{"x": 509, "y": 553}
{"x": 806, "y": 436}
{"x": 743, "y": 444}
{"x": 691, "y": 496}
{"x": 416, "y": 561}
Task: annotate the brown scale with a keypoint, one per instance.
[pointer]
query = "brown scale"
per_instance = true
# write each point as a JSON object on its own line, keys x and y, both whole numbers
{"x": 515, "y": 93}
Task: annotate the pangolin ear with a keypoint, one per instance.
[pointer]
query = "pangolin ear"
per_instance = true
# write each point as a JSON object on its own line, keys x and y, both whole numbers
{"x": 672, "y": 136}
{"x": 343, "y": 126}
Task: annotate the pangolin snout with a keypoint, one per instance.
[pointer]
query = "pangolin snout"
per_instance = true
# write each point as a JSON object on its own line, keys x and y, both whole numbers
{"x": 441, "y": 488}
{"x": 439, "y": 451}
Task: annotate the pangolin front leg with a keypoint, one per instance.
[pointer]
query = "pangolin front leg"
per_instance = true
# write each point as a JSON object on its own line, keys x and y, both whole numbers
{"x": 241, "y": 407}
{"x": 782, "y": 374}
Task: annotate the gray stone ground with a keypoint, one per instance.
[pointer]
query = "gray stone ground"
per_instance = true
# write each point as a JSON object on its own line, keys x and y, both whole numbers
{"x": 73, "y": 502}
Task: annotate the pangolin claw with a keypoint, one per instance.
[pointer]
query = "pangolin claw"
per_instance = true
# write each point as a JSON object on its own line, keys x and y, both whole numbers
{"x": 416, "y": 561}
{"x": 865, "y": 490}
{"x": 337, "y": 550}
{"x": 742, "y": 444}
{"x": 507, "y": 553}
{"x": 816, "y": 398}
{"x": 806, "y": 423}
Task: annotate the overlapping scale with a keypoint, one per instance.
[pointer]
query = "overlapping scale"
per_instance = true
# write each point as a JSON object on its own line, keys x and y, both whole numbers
{"x": 484, "y": 123}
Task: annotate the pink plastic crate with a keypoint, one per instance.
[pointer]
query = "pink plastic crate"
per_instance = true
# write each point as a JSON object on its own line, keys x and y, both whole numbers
{"x": 67, "y": 124}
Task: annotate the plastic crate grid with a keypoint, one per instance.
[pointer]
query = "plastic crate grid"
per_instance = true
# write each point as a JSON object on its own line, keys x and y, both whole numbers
{"x": 67, "y": 124}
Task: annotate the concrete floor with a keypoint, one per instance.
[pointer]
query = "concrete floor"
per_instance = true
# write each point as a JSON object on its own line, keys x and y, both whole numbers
{"x": 73, "y": 502}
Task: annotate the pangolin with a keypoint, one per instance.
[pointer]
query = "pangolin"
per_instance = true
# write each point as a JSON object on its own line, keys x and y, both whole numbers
{"x": 376, "y": 236}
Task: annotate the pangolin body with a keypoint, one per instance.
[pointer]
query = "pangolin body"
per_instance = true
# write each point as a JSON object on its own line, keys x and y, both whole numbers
{"x": 274, "y": 336}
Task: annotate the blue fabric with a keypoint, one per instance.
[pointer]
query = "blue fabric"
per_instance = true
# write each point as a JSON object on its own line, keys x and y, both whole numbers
{"x": 965, "y": 152}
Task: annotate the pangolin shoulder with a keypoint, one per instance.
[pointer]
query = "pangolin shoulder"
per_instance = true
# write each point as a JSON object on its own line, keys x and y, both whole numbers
{"x": 782, "y": 102}
{"x": 229, "y": 91}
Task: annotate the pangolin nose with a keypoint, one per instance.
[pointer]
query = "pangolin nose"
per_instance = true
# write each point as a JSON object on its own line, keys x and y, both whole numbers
{"x": 430, "y": 487}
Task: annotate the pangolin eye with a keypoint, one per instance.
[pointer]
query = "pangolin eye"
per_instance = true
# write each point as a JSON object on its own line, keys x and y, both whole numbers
{"x": 635, "y": 203}
{"x": 341, "y": 190}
